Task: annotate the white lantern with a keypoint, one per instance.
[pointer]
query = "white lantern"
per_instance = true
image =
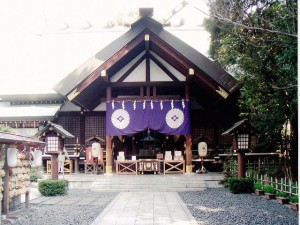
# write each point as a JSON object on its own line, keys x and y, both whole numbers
{"x": 12, "y": 158}
{"x": 96, "y": 150}
{"x": 202, "y": 149}
{"x": 37, "y": 158}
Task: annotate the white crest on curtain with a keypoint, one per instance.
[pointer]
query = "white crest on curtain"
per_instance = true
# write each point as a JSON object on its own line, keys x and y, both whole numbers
{"x": 151, "y": 104}
{"x": 161, "y": 105}
{"x": 183, "y": 104}
{"x": 123, "y": 105}
{"x": 144, "y": 104}
{"x": 172, "y": 104}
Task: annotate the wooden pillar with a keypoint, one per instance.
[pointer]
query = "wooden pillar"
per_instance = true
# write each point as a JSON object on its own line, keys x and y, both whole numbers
{"x": 6, "y": 185}
{"x": 109, "y": 157}
{"x": 76, "y": 168}
{"x": 241, "y": 164}
{"x": 82, "y": 127}
{"x": 188, "y": 140}
{"x": 27, "y": 199}
{"x": 188, "y": 153}
{"x": 54, "y": 167}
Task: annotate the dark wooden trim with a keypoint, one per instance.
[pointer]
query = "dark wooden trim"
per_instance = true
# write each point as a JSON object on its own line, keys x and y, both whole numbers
{"x": 187, "y": 92}
{"x": 149, "y": 83}
{"x": 147, "y": 68}
{"x": 108, "y": 93}
{"x": 164, "y": 68}
{"x": 154, "y": 91}
{"x": 123, "y": 52}
{"x": 178, "y": 61}
{"x": 132, "y": 68}
{"x": 148, "y": 90}
{"x": 142, "y": 92}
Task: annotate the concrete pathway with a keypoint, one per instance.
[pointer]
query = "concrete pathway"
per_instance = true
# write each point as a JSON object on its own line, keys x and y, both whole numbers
{"x": 146, "y": 208}
{"x": 147, "y": 199}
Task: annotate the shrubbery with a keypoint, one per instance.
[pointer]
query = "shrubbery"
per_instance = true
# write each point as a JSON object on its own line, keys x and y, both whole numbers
{"x": 294, "y": 199}
{"x": 282, "y": 194}
{"x": 258, "y": 186}
{"x": 269, "y": 189}
{"x": 53, "y": 187}
{"x": 240, "y": 185}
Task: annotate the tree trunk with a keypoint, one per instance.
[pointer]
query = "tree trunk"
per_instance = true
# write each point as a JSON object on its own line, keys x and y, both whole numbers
{"x": 294, "y": 147}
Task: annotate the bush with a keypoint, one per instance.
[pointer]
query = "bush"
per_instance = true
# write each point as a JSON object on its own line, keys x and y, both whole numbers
{"x": 269, "y": 189}
{"x": 258, "y": 186}
{"x": 53, "y": 187}
{"x": 240, "y": 185}
{"x": 282, "y": 194}
{"x": 294, "y": 199}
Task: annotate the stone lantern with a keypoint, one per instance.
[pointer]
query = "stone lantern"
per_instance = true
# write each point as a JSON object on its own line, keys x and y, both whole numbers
{"x": 242, "y": 133}
{"x": 53, "y": 135}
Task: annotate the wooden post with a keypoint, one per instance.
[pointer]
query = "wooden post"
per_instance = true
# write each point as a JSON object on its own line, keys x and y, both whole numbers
{"x": 109, "y": 157}
{"x": 241, "y": 164}
{"x": 188, "y": 140}
{"x": 27, "y": 198}
{"x": 6, "y": 186}
{"x": 54, "y": 167}
{"x": 188, "y": 153}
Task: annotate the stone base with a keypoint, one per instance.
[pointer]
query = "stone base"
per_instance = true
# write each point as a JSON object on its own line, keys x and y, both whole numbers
{"x": 108, "y": 169}
{"x": 189, "y": 169}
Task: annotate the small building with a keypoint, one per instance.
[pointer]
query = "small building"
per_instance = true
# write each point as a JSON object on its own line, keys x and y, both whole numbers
{"x": 145, "y": 83}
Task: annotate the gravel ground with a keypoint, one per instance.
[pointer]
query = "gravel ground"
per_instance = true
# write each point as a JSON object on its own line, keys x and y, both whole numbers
{"x": 60, "y": 214}
{"x": 218, "y": 206}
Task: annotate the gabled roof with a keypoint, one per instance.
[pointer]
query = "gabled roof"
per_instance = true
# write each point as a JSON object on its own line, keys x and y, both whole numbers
{"x": 58, "y": 128}
{"x": 85, "y": 86}
{"x": 13, "y": 138}
{"x": 243, "y": 123}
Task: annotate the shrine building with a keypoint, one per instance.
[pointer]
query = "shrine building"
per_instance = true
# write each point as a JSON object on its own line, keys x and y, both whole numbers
{"x": 145, "y": 94}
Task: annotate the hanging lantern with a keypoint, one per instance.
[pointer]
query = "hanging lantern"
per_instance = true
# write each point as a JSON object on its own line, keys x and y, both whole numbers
{"x": 12, "y": 158}
{"x": 96, "y": 149}
{"x": 37, "y": 158}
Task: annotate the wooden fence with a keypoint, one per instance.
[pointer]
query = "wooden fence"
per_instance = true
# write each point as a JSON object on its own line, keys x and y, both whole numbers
{"x": 280, "y": 184}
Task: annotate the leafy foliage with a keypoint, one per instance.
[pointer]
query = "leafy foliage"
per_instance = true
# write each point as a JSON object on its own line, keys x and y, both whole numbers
{"x": 269, "y": 189}
{"x": 258, "y": 186}
{"x": 53, "y": 187}
{"x": 5, "y": 129}
{"x": 257, "y": 41}
{"x": 294, "y": 199}
{"x": 282, "y": 194}
{"x": 240, "y": 185}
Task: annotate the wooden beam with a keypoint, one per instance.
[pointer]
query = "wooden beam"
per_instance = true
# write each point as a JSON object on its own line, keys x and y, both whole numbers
{"x": 178, "y": 61}
{"x": 148, "y": 91}
{"x": 142, "y": 92}
{"x": 157, "y": 98}
{"x": 123, "y": 52}
{"x": 171, "y": 75}
{"x": 149, "y": 83}
{"x": 131, "y": 69}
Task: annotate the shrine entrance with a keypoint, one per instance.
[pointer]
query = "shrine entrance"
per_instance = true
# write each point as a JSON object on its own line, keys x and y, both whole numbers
{"x": 149, "y": 79}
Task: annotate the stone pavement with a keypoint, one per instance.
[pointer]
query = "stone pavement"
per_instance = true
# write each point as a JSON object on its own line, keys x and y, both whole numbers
{"x": 142, "y": 199}
{"x": 146, "y": 208}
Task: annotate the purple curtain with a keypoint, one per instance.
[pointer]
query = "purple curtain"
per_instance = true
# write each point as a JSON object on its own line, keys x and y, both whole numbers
{"x": 168, "y": 117}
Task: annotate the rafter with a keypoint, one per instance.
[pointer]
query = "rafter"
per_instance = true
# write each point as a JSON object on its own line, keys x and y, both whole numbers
{"x": 131, "y": 69}
{"x": 171, "y": 75}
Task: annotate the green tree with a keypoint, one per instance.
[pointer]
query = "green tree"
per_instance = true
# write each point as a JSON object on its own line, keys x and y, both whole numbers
{"x": 256, "y": 40}
{"x": 5, "y": 129}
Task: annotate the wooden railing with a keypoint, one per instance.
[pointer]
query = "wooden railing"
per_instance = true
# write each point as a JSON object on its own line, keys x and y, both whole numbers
{"x": 280, "y": 184}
